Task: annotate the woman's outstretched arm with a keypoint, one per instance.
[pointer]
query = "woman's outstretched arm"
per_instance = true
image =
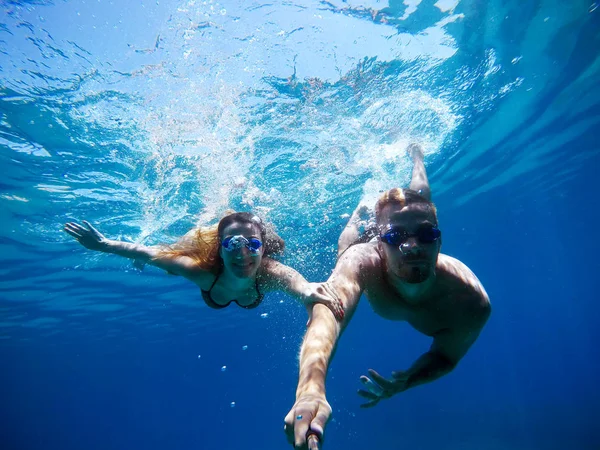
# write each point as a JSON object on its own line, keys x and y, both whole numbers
{"x": 282, "y": 277}
{"x": 92, "y": 239}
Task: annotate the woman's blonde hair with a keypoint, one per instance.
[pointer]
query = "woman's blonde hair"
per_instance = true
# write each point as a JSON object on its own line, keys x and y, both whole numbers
{"x": 202, "y": 244}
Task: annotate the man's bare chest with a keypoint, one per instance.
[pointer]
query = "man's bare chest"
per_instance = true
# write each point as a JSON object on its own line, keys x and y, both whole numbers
{"x": 427, "y": 316}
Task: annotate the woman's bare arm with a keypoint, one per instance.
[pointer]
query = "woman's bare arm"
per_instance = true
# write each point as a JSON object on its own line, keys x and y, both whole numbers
{"x": 282, "y": 277}
{"x": 92, "y": 239}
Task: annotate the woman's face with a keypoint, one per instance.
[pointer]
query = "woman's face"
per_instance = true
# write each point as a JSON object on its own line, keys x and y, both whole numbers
{"x": 242, "y": 260}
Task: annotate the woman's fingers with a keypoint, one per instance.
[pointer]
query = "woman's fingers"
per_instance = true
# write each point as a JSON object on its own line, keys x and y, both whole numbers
{"x": 73, "y": 229}
{"x": 89, "y": 225}
{"x": 75, "y": 226}
{"x": 337, "y": 302}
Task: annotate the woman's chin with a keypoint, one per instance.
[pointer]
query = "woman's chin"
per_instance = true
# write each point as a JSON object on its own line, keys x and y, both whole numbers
{"x": 243, "y": 270}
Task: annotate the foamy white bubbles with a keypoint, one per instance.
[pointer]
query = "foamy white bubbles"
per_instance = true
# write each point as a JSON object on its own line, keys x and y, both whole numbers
{"x": 410, "y": 117}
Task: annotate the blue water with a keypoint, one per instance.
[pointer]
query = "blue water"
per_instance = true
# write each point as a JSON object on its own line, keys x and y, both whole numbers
{"x": 146, "y": 118}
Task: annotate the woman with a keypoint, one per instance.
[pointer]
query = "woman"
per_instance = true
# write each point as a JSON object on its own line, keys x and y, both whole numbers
{"x": 229, "y": 262}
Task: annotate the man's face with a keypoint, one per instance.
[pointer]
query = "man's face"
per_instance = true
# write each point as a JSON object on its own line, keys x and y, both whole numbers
{"x": 413, "y": 254}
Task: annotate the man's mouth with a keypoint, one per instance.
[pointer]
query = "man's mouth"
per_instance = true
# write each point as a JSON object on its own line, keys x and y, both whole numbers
{"x": 414, "y": 261}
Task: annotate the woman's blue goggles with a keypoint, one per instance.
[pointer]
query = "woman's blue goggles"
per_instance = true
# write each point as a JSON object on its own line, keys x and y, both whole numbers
{"x": 425, "y": 235}
{"x": 237, "y": 242}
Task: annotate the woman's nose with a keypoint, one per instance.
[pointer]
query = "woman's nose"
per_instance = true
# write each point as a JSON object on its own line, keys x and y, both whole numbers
{"x": 242, "y": 253}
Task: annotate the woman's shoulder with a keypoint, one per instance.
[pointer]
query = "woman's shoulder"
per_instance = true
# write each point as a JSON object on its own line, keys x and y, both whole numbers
{"x": 200, "y": 275}
{"x": 272, "y": 267}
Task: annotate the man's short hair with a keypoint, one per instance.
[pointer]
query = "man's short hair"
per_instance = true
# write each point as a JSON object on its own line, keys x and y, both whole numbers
{"x": 402, "y": 197}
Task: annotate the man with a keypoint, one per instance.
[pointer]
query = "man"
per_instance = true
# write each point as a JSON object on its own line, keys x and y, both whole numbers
{"x": 405, "y": 278}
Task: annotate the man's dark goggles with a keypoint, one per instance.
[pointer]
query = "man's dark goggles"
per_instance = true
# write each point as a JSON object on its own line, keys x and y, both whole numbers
{"x": 397, "y": 237}
{"x": 237, "y": 242}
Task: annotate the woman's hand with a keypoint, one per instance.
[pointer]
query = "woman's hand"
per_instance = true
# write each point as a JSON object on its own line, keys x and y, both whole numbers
{"x": 89, "y": 237}
{"x": 324, "y": 294}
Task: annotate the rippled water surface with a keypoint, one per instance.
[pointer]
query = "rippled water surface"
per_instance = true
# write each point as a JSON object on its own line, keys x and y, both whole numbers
{"x": 148, "y": 118}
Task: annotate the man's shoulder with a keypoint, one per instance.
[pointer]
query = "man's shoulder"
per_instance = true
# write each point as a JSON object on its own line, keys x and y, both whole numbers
{"x": 455, "y": 268}
{"x": 464, "y": 280}
{"x": 366, "y": 254}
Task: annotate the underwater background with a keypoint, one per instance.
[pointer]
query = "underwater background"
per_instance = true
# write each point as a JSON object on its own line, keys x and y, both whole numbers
{"x": 147, "y": 118}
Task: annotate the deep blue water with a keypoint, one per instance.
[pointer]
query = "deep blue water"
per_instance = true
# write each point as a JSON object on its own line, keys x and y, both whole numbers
{"x": 147, "y": 118}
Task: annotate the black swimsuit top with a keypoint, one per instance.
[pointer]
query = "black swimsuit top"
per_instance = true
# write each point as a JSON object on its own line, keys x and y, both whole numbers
{"x": 211, "y": 303}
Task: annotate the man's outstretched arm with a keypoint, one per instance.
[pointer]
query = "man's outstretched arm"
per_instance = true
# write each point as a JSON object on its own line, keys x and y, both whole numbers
{"x": 311, "y": 411}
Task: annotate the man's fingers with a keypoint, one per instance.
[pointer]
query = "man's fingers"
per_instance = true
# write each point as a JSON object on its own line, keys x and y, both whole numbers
{"x": 289, "y": 427}
{"x": 375, "y": 390}
{"x": 303, "y": 422}
{"x": 383, "y": 382}
{"x": 369, "y": 404}
{"x": 371, "y": 386}
{"x": 313, "y": 442}
{"x": 301, "y": 427}
{"x": 367, "y": 394}
{"x": 289, "y": 433}
{"x": 374, "y": 399}
{"x": 317, "y": 426}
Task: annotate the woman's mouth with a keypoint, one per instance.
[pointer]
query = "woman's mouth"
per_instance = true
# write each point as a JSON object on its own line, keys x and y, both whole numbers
{"x": 243, "y": 265}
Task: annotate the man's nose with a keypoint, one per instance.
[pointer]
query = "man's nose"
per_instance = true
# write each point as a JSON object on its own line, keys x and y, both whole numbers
{"x": 410, "y": 246}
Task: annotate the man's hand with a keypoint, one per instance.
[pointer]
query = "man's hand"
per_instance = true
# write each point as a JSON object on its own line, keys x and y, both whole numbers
{"x": 380, "y": 388}
{"x": 89, "y": 237}
{"x": 326, "y": 295}
{"x": 305, "y": 423}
